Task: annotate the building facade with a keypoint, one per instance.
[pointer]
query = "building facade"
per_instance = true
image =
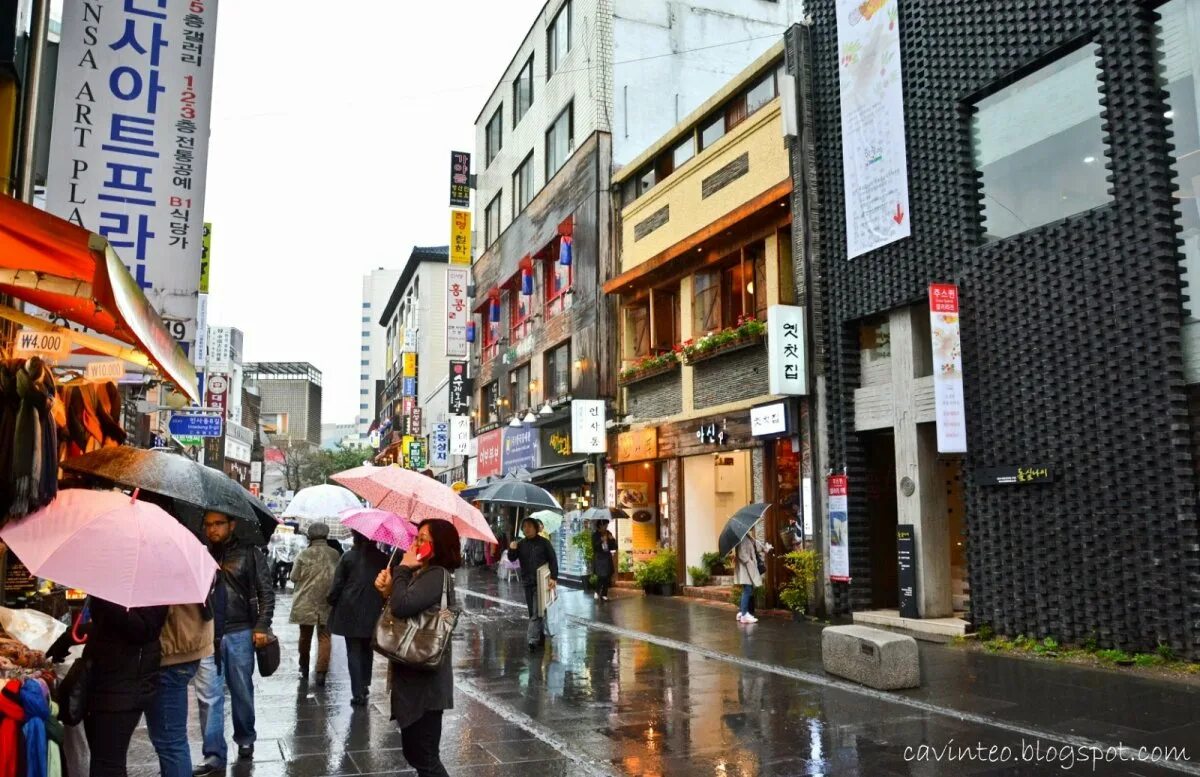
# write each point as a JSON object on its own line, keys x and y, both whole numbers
{"x": 373, "y": 362}
{"x": 291, "y": 401}
{"x": 1072, "y": 513}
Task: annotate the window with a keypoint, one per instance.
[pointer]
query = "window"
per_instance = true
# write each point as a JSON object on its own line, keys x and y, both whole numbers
{"x": 491, "y": 221}
{"x": 489, "y": 345}
{"x": 558, "y": 284}
{"x": 490, "y": 399}
{"x": 1039, "y": 166}
{"x": 558, "y": 39}
{"x": 713, "y": 131}
{"x": 366, "y": 319}
{"x": 761, "y": 93}
{"x": 685, "y": 150}
{"x": 365, "y": 362}
{"x": 363, "y": 406}
{"x": 364, "y": 376}
{"x": 366, "y": 348}
{"x": 646, "y": 180}
{"x": 523, "y": 92}
{"x": 725, "y": 296}
{"x": 560, "y": 140}
{"x": 366, "y": 306}
{"x": 520, "y": 314}
{"x": 557, "y": 372}
{"x": 518, "y": 387}
{"x": 494, "y": 134}
{"x": 664, "y": 321}
{"x": 522, "y": 185}
{"x": 637, "y": 331}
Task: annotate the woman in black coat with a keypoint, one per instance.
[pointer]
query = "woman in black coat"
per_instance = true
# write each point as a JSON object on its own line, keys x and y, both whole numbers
{"x": 124, "y": 651}
{"x": 419, "y": 696}
{"x": 604, "y": 549}
{"x": 356, "y": 609}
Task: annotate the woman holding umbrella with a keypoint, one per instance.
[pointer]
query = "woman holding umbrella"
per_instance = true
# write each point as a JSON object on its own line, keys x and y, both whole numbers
{"x": 751, "y": 555}
{"x": 356, "y": 608}
{"x": 604, "y": 549}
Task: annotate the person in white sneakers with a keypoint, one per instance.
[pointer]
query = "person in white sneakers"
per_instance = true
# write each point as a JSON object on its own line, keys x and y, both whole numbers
{"x": 751, "y": 563}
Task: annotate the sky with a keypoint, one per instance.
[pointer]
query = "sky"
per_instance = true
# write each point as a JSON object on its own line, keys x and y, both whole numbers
{"x": 329, "y": 157}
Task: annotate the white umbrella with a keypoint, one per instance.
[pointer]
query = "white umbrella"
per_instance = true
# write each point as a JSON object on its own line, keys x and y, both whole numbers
{"x": 322, "y": 503}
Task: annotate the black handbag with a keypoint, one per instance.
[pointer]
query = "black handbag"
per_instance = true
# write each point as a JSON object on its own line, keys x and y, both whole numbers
{"x": 73, "y": 692}
{"x": 268, "y": 656}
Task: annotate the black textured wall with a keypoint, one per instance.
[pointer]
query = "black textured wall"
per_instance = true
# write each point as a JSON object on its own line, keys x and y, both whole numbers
{"x": 731, "y": 377}
{"x": 657, "y": 397}
{"x": 1071, "y": 332}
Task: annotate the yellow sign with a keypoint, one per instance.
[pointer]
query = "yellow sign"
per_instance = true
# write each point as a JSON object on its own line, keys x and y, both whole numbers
{"x": 205, "y": 256}
{"x": 460, "y": 237}
{"x": 638, "y": 445}
{"x": 410, "y": 364}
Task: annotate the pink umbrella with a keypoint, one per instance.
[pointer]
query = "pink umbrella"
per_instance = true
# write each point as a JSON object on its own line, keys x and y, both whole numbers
{"x": 129, "y": 552}
{"x": 380, "y": 526}
{"x": 416, "y": 497}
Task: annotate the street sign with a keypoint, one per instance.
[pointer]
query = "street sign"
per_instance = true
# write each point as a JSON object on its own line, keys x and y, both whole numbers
{"x": 32, "y": 342}
{"x": 196, "y": 425}
{"x": 188, "y": 441}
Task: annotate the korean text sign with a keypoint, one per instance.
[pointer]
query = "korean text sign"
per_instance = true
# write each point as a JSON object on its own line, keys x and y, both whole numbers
{"x": 460, "y": 237}
{"x": 489, "y": 448}
{"x": 460, "y": 179}
{"x": 787, "y": 366}
{"x": 457, "y": 312}
{"x": 588, "y": 426}
{"x": 130, "y": 140}
{"x": 839, "y": 529}
{"x": 460, "y": 435}
{"x": 949, "y": 406}
{"x": 520, "y": 449}
{"x": 459, "y": 388}
{"x": 439, "y": 444}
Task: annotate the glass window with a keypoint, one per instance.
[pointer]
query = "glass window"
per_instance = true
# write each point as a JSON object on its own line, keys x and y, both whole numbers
{"x": 522, "y": 185}
{"x": 646, "y": 180}
{"x": 761, "y": 93}
{"x": 637, "y": 331}
{"x": 494, "y": 134}
{"x": 1041, "y": 165}
{"x": 520, "y": 312}
{"x": 491, "y": 402}
{"x": 713, "y": 131}
{"x": 523, "y": 92}
{"x": 665, "y": 333}
{"x": 518, "y": 385}
{"x": 491, "y": 221}
{"x": 684, "y": 151}
{"x": 558, "y": 282}
{"x": 706, "y": 303}
{"x": 558, "y": 39}
{"x": 560, "y": 140}
{"x": 558, "y": 372}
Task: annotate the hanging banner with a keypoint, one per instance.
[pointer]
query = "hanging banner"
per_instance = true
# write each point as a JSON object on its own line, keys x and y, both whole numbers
{"x": 460, "y": 179}
{"x": 787, "y": 369}
{"x": 839, "y": 529}
{"x": 409, "y": 364}
{"x": 588, "y": 426}
{"x": 460, "y": 435}
{"x": 416, "y": 454}
{"x": 457, "y": 314}
{"x": 205, "y": 256}
{"x": 874, "y": 156}
{"x": 439, "y": 445}
{"x": 130, "y": 141}
{"x": 949, "y": 407}
{"x": 460, "y": 237}
{"x": 459, "y": 388}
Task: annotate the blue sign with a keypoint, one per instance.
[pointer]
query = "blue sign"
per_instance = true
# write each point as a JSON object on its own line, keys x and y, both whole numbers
{"x": 439, "y": 445}
{"x": 521, "y": 449}
{"x": 196, "y": 425}
{"x": 408, "y": 387}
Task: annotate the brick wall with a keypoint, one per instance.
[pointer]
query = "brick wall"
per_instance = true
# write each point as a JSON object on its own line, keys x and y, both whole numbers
{"x": 738, "y": 376}
{"x": 657, "y": 397}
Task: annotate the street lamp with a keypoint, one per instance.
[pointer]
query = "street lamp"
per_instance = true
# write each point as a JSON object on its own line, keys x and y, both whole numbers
{"x": 546, "y": 409}
{"x": 529, "y": 417}
{"x": 515, "y": 422}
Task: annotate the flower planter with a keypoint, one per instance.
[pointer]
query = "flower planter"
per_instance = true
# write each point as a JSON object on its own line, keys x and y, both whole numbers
{"x": 660, "y": 589}
{"x": 647, "y": 374}
{"x": 721, "y": 350}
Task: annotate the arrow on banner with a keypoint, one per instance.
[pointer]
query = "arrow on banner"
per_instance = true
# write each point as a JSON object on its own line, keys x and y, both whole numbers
{"x": 899, "y": 217}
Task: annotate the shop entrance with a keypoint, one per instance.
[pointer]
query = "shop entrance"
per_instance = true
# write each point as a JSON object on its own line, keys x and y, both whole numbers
{"x": 880, "y": 450}
{"x": 960, "y": 587}
{"x": 642, "y": 495}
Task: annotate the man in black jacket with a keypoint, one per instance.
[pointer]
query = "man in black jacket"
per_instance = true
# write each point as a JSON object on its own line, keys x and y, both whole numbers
{"x": 533, "y": 551}
{"x": 246, "y": 594}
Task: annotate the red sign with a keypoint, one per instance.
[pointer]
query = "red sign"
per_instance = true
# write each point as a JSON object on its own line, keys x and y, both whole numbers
{"x": 254, "y": 489}
{"x": 943, "y": 298}
{"x": 217, "y": 393}
{"x": 490, "y": 446}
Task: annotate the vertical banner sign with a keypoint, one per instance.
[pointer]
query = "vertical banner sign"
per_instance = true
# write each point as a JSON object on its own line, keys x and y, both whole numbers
{"x": 786, "y": 364}
{"x": 460, "y": 435}
{"x": 410, "y": 364}
{"x": 459, "y": 388}
{"x": 439, "y": 445}
{"x": 610, "y": 487}
{"x": 415, "y": 421}
{"x": 906, "y": 570}
{"x": 839, "y": 529}
{"x": 460, "y": 179}
{"x": 460, "y": 237}
{"x": 205, "y": 256}
{"x": 587, "y": 426}
{"x": 130, "y": 141}
{"x": 949, "y": 408}
{"x": 416, "y": 454}
{"x": 457, "y": 314}
{"x": 874, "y": 157}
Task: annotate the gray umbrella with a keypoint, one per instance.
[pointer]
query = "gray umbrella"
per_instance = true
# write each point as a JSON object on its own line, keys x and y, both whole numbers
{"x": 739, "y": 525}
{"x": 174, "y": 476}
{"x": 518, "y": 493}
{"x": 603, "y": 514}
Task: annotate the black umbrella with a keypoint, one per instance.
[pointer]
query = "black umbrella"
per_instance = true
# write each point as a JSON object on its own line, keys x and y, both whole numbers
{"x": 518, "y": 493}
{"x": 174, "y": 476}
{"x": 739, "y": 525}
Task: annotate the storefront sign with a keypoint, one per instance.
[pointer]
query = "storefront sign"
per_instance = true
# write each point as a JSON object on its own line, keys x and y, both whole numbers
{"x": 839, "y": 529}
{"x": 416, "y": 454}
{"x": 874, "y": 157}
{"x": 408, "y": 387}
{"x": 610, "y": 487}
{"x": 712, "y": 434}
{"x": 787, "y": 366}
{"x": 459, "y": 388}
{"x": 520, "y": 449}
{"x": 130, "y": 140}
{"x": 638, "y": 445}
{"x": 51, "y": 345}
{"x": 556, "y": 447}
{"x": 457, "y": 314}
{"x": 415, "y": 421}
{"x": 1013, "y": 476}
{"x": 409, "y": 364}
{"x": 236, "y": 449}
{"x": 769, "y": 420}
{"x": 105, "y": 371}
{"x": 256, "y": 472}
{"x": 460, "y": 237}
{"x": 460, "y": 179}
{"x": 587, "y": 426}
{"x": 188, "y": 441}
{"x": 489, "y": 447}
{"x": 949, "y": 410}
{"x": 906, "y": 564}
{"x": 217, "y": 392}
{"x": 439, "y": 444}
{"x": 460, "y": 435}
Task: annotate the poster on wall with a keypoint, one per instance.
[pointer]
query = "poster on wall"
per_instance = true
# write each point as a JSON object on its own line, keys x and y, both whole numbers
{"x": 839, "y": 529}
{"x": 949, "y": 407}
{"x": 874, "y": 156}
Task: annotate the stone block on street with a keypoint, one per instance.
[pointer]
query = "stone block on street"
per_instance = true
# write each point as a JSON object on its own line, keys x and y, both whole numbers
{"x": 873, "y": 657}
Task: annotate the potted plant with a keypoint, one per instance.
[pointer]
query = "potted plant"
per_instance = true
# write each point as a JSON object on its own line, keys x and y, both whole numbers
{"x": 583, "y": 543}
{"x": 714, "y": 563}
{"x": 657, "y": 576}
{"x": 648, "y": 367}
{"x": 700, "y": 576}
{"x": 624, "y": 566}
{"x": 748, "y": 332}
{"x": 804, "y": 566}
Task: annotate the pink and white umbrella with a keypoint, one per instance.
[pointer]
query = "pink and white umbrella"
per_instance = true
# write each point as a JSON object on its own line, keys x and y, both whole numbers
{"x": 380, "y": 526}
{"x": 129, "y": 552}
{"x": 416, "y": 497}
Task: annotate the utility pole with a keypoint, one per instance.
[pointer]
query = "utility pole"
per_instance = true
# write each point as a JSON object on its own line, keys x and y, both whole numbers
{"x": 38, "y": 31}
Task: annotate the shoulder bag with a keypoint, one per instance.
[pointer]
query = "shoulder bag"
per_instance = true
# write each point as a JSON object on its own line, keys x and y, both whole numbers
{"x": 419, "y": 641}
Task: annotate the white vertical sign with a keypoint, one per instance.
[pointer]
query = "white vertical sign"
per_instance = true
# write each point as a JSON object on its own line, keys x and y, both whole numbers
{"x": 130, "y": 140}
{"x": 949, "y": 406}
{"x": 874, "y": 156}
{"x": 786, "y": 363}
{"x": 457, "y": 314}
{"x": 439, "y": 444}
{"x": 460, "y": 435}
{"x": 588, "y": 426}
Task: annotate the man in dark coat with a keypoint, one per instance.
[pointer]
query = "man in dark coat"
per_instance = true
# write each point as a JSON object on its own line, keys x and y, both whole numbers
{"x": 356, "y": 607}
{"x": 532, "y": 552}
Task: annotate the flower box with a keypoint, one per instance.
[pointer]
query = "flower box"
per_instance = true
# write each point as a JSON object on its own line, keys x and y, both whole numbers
{"x": 740, "y": 343}
{"x": 749, "y": 332}
{"x": 635, "y": 375}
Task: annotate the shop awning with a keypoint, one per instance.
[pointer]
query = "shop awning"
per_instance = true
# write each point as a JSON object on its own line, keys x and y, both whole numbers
{"x": 76, "y": 275}
{"x": 571, "y": 472}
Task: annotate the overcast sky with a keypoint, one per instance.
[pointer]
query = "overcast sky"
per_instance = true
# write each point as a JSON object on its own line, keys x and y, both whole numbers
{"x": 329, "y": 157}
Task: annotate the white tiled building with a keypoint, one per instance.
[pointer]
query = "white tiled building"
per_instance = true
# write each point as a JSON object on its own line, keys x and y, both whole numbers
{"x": 373, "y": 362}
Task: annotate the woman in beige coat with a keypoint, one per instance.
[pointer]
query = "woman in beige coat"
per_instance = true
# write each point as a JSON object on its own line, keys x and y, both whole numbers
{"x": 312, "y": 574}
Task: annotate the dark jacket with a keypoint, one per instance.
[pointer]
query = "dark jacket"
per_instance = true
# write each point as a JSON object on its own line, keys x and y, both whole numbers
{"x": 602, "y": 560}
{"x": 249, "y": 594}
{"x": 414, "y": 691}
{"x": 532, "y": 553}
{"x": 356, "y": 603}
{"x": 123, "y": 646}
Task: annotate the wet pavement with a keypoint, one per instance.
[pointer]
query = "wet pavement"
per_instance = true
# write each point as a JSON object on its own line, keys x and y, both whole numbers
{"x": 653, "y": 686}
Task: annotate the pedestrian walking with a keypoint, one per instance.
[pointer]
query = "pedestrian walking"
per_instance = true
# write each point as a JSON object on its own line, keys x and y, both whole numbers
{"x": 312, "y": 575}
{"x": 420, "y": 696}
{"x": 356, "y": 607}
{"x": 124, "y": 652}
{"x": 282, "y": 550}
{"x": 750, "y": 564}
{"x": 246, "y": 594}
{"x": 604, "y": 549}
{"x": 187, "y": 638}
{"x": 532, "y": 552}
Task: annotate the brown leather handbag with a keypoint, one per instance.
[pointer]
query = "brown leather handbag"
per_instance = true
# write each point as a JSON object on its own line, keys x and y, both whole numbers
{"x": 419, "y": 641}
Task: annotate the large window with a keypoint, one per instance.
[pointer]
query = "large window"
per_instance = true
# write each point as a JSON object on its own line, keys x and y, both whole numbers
{"x": 518, "y": 386}
{"x": 732, "y": 292}
{"x": 664, "y": 320}
{"x": 1039, "y": 144}
{"x": 520, "y": 315}
{"x": 522, "y": 188}
{"x": 637, "y": 330}
{"x": 557, "y": 372}
{"x": 523, "y": 91}
{"x": 494, "y": 134}
{"x": 490, "y": 339}
{"x": 490, "y": 397}
{"x": 558, "y": 39}
{"x": 560, "y": 139}
{"x": 558, "y": 285}
{"x": 491, "y": 221}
